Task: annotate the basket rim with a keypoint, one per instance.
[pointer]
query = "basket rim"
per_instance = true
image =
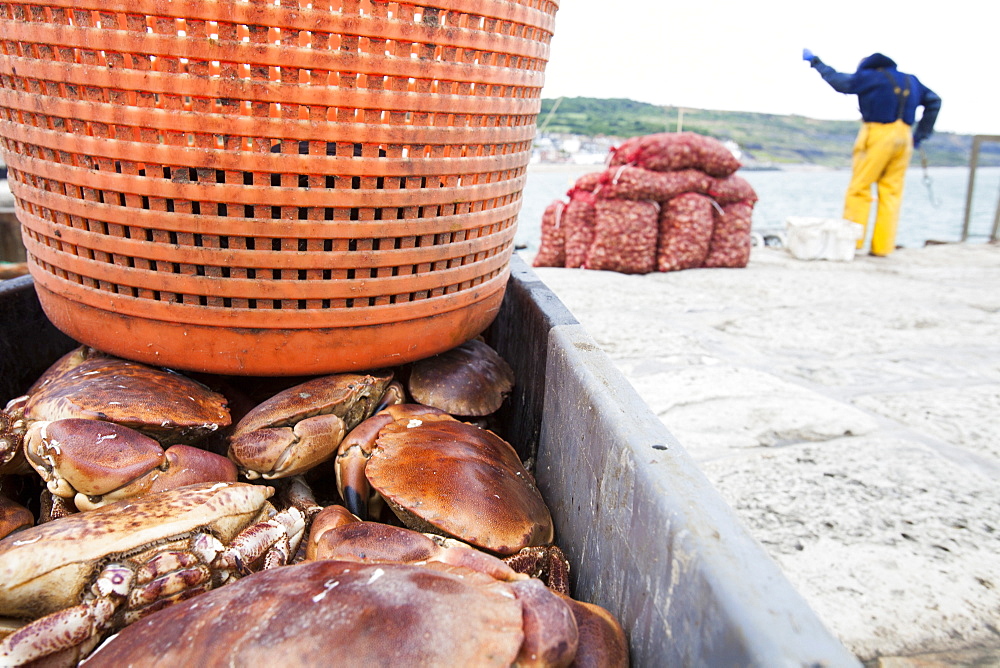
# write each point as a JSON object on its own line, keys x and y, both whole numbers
{"x": 306, "y": 19}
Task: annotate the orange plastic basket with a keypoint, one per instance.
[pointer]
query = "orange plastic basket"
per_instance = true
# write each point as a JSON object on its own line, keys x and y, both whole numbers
{"x": 259, "y": 188}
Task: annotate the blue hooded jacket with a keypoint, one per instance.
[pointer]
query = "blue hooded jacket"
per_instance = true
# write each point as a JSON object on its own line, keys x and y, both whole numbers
{"x": 875, "y": 83}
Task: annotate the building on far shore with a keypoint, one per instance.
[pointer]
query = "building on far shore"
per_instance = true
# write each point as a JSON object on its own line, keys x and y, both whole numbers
{"x": 555, "y": 148}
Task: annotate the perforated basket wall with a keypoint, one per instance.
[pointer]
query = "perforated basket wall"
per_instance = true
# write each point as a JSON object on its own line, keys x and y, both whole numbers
{"x": 247, "y": 187}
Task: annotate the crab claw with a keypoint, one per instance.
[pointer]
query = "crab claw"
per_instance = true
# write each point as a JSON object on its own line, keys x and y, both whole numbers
{"x": 187, "y": 465}
{"x": 95, "y": 463}
{"x": 602, "y": 640}
{"x": 551, "y": 637}
{"x": 301, "y": 427}
{"x": 328, "y": 519}
{"x": 356, "y": 448}
{"x": 13, "y": 516}
{"x": 394, "y": 394}
{"x": 279, "y": 452}
{"x": 89, "y": 459}
{"x": 352, "y": 457}
{"x": 374, "y": 542}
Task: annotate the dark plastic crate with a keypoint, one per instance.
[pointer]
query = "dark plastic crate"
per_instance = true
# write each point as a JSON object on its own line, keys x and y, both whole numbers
{"x": 649, "y": 537}
{"x": 29, "y": 343}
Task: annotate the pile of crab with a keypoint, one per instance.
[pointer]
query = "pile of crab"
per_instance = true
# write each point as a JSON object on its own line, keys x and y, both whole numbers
{"x": 149, "y": 517}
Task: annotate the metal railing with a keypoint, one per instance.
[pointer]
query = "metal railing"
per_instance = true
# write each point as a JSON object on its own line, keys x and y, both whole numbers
{"x": 977, "y": 142}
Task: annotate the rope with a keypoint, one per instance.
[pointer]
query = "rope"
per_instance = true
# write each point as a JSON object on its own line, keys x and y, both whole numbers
{"x": 614, "y": 179}
{"x": 927, "y": 179}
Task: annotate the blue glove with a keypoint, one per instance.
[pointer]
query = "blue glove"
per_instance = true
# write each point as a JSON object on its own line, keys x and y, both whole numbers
{"x": 808, "y": 55}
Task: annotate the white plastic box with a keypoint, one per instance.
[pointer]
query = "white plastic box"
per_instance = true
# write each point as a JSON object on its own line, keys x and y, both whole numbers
{"x": 822, "y": 238}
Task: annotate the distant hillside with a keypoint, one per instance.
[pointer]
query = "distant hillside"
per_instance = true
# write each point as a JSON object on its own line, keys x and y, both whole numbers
{"x": 764, "y": 138}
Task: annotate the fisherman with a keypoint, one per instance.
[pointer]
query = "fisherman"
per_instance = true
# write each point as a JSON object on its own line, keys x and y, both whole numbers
{"x": 888, "y": 100}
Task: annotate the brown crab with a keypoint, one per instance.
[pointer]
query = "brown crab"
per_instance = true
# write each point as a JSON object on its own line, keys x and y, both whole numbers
{"x": 82, "y": 576}
{"x": 470, "y": 380}
{"x": 358, "y": 613}
{"x": 88, "y": 384}
{"x": 302, "y": 426}
{"x": 338, "y": 535}
{"x": 440, "y": 475}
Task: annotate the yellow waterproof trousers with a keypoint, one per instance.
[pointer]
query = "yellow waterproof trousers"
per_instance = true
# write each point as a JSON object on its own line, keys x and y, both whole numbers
{"x": 882, "y": 153}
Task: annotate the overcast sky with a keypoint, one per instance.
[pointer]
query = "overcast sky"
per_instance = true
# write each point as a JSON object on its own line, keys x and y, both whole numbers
{"x": 746, "y": 55}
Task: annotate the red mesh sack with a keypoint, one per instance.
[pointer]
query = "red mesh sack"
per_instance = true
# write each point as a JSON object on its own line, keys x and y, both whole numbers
{"x": 685, "y": 232}
{"x": 731, "y": 243}
{"x": 552, "y": 248}
{"x": 624, "y": 236}
{"x": 629, "y": 182}
{"x": 670, "y": 151}
{"x": 731, "y": 189}
{"x": 578, "y": 226}
{"x": 590, "y": 181}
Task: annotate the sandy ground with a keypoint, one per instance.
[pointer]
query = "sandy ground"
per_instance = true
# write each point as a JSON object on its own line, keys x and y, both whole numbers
{"x": 850, "y": 414}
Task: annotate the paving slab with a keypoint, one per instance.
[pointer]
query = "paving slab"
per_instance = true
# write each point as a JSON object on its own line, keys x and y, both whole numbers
{"x": 847, "y": 411}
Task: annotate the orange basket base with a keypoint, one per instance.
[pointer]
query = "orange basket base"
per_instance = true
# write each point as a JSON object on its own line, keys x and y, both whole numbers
{"x": 268, "y": 352}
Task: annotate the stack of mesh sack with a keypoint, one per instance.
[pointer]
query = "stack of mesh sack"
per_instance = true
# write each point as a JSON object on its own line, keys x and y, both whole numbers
{"x": 665, "y": 202}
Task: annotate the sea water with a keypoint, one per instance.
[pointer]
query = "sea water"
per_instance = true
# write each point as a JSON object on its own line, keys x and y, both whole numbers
{"x": 933, "y": 209}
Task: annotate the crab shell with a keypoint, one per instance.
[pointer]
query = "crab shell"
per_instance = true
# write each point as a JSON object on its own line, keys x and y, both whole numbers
{"x": 162, "y": 404}
{"x": 68, "y": 361}
{"x": 440, "y": 475}
{"x": 48, "y": 567}
{"x": 364, "y": 614}
{"x": 302, "y": 426}
{"x": 468, "y": 380}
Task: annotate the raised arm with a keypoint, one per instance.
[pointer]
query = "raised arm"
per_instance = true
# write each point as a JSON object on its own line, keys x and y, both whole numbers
{"x": 931, "y": 103}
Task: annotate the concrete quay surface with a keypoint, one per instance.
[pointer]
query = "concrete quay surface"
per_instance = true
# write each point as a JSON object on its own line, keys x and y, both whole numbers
{"x": 849, "y": 412}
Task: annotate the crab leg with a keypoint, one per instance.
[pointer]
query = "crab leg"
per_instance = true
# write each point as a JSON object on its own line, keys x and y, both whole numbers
{"x": 547, "y": 563}
{"x": 297, "y": 492}
{"x": 12, "y": 427}
{"x": 167, "y": 574}
{"x": 71, "y": 627}
{"x": 275, "y": 539}
{"x": 56, "y": 632}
